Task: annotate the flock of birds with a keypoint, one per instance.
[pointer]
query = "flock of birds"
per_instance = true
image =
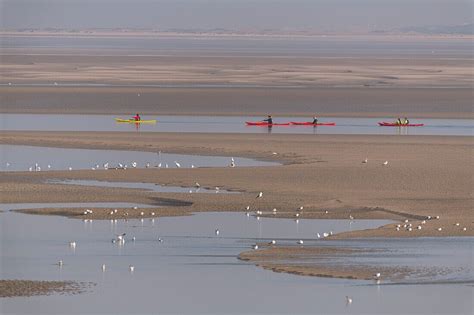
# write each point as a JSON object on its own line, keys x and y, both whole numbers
{"x": 120, "y": 166}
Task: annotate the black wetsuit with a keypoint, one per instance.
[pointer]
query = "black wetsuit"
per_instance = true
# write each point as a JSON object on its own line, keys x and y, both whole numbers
{"x": 269, "y": 121}
{"x": 315, "y": 121}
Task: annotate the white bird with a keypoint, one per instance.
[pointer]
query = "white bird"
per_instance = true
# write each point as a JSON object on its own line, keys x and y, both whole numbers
{"x": 428, "y": 217}
{"x": 318, "y": 235}
{"x": 326, "y": 212}
{"x": 166, "y": 165}
{"x": 49, "y": 165}
{"x": 30, "y": 169}
{"x": 60, "y": 263}
{"x": 115, "y": 210}
{"x": 423, "y": 222}
{"x": 377, "y": 276}
{"x": 398, "y": 229}
{"x": 135, "y": 208}
{"x": 159, "y": 165}
{"x": 134, "y": 164}
{"x": 300, "y": 242}
{"x": 197, "y": 185}
{"x": 177, "y": 164}
{"x": 160, "y": 240}
{"x": 232, "y": 164}
{"x": 348, "y": 300}
{"x": 131, "y": 268}
{"x": 255, "y": 246}
{"x": 106, "y": 166}
{"x": 274, "y": 211}
{"x": 134, "y": 239}
{"x": 217, "y": 232}
{"x": 406, "y": 221}
{"x": 325, "y": 234}
{"x": 385, "y": 163}
{"x": 103, "y": 267}
{"x": 72, "y": 244}
{"x": 142, "y": 213}
{"x": 120, "y": 238}
{"x": 247, "y": 208}
{"x": 247, "y": 214}
{"x": 464, "y": 229}
{"x": 70, "y": 168}
{"x": 192, "y": 166}
{"x": 152, "y": 213}
{"x": 147, "y": 165}
{"x": 273, "y": 242}
{"x": 351, "y": 217}
{"x": 365, "y": 161}
{"x": 457, "y": 224}
{"x": 437, "y": 217}
{"x": 300, "y": 208}
{"x": 274, "y": 153}
{"x": 260, "y": 195}
{"x": 418, "y": 227}
{"x": 440, "y": 229}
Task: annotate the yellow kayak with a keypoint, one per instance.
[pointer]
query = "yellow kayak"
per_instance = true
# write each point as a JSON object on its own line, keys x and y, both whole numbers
{"x": 133, "y": 121}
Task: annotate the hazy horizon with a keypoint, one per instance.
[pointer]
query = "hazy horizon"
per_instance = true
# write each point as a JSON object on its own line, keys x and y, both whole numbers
{"x": 321, "y": 15}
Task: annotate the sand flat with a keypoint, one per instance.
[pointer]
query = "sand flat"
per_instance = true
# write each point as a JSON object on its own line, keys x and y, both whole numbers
{"x": 425, "y": 176}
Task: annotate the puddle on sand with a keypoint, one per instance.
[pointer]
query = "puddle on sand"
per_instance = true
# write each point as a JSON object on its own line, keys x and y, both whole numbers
{"x": 195, "y": 271}
{"x": 145, "y": 186}
{"x": 24, "y": 158}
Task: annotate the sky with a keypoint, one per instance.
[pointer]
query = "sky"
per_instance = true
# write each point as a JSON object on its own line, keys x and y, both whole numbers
{"x": 322, "y": 15}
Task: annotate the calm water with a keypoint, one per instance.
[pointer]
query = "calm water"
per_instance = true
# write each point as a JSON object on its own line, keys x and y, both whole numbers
{"x": 22, "y": 158}
{"x": 144, "y": 186}
{"x": 268, "y": 47}
{"x": 194, "y": 271}
{"x": 231, "y": 124}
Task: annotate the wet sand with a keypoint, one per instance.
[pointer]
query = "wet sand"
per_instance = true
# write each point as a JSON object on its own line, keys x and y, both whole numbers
{"x": 317, "y": 262}
{"x": 17, "y": 288}
{"x": 426, "y": 175}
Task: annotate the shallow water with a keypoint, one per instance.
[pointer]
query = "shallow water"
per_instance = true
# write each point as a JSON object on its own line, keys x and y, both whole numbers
{"x": 144, "y": 186}
{"x": 231, "y": 124}
{"x": 195, "y": 271}
{"x": 21, "y": 158}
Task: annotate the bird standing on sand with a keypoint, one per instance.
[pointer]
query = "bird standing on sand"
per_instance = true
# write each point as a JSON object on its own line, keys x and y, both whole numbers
{"x": 255, "y": 246}
{"x": 177, "y": 164}
{"x": 385, "y": 163}
{"x": 365, "y": 161}
{"x": 377, "y": 276}
{"x": 260, "y": 195}
{"x": 300, "y": 242}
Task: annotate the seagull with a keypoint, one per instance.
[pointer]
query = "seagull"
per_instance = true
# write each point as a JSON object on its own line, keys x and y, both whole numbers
{"x": 177, "y": 164}
{"x": 326, "y": 212}
{"x": 49, "y": 165}
{"x": 159, "y": 165}
{"x": 70, "y": 168}
{"x": 457, "y": 224}
{"x": 192, "y": 166}
{"x": 297, "y": 215}
{"x": 273, "y": 242}
{"x": 274, "y": 153}
{"x": 385, "y": 163}
{"x": 423, "y": 222}
{"x": 217, "y": 232}
{"x": 131, "y": 268}
{"x": 365, "y": 161}
{"x": 437, "y": 217}
{"x": 197, "y": 185}
{"x": 247, "y": 208}
{"x": 274, "y": 211}
{"x": 60, "y": 263}
{"x": 142, "y": 213}
{"x": 318, "y": 235}
{"x": 325, "y": 234}
{"x": 377, "y": 276}
{"x": 260, "y": 195}
{"x": 351, "y": 217}
{"x": 464, "y": 229}
{"x": 160, "y": 240}
{"x": 103, "y": 267}
{"x": 72, "y": 244}
{"x": 147, "y": 165}
{"x": 255, "y": 246}
{"x": 300, "y": 208}
{"x": 134, "y": 164}
{"x": 134, "y": 239}
{"x": 440, "y": 229}
{"x": 152, "y": 213}
{"x": 418, "y": 227}
{"x": 121, "y": 238}
{"x": 300, "y": 242}
{"x": 348, "y": 300}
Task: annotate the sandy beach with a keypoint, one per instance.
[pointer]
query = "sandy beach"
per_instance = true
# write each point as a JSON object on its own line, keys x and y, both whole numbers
{"x": 425, "y": 176}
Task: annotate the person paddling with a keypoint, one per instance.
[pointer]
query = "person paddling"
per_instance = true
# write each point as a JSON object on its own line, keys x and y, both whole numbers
{"x": 406, "y": 121}
{"x": 315, "y": 120}
{"x": 399, "y": 121}
{"x": 137, "y": 117}
{"x": 269, "y": 120}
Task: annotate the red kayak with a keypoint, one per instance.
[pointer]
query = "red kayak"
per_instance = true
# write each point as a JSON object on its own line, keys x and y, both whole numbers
{"x": 295, "y": 123}
{"x": 262, "y": 123}
{"x": 388, "y": 124}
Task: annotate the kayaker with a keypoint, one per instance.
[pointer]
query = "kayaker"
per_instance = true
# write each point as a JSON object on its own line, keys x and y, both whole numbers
{"x": 399, "y": 121}
{"x": 137, "y": 117}
{"x": 269, "y": 120}
{"x": 315, "y": 120}
{"x": 406, "y": 121}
